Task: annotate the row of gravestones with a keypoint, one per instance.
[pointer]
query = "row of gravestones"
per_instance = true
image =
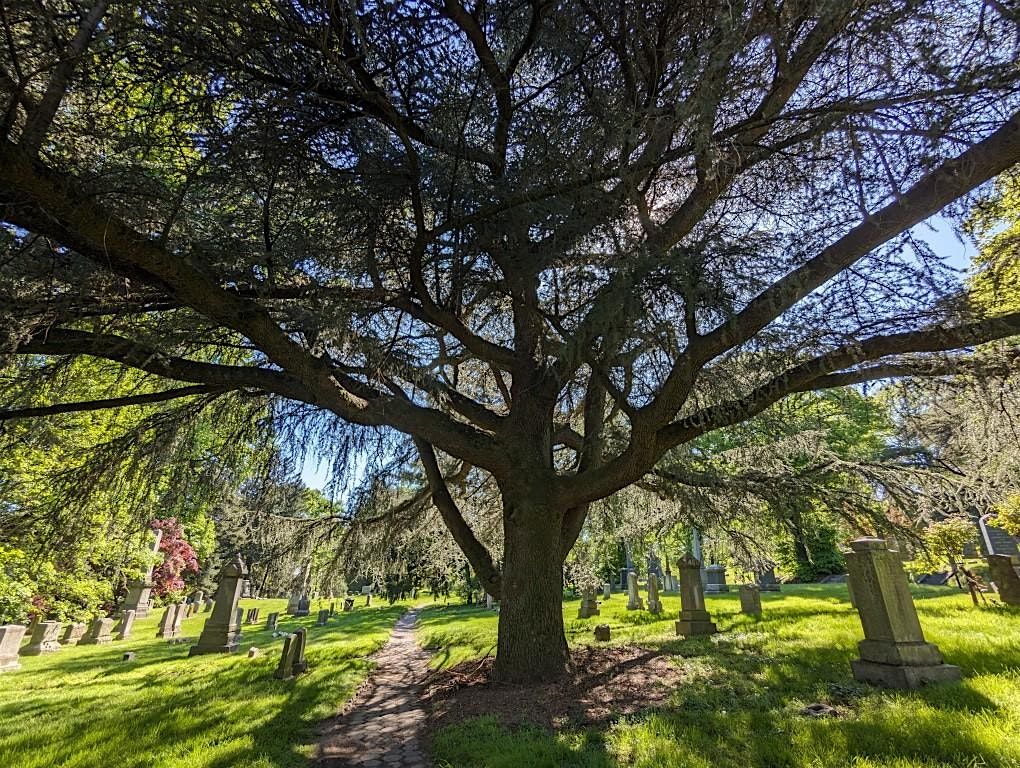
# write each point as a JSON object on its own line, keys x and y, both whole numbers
{"x": 893, "y": 653}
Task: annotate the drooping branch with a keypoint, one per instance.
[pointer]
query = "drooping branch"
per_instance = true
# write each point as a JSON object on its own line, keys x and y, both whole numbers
{"x": 81, "y": 406}
{"x": 473, "y": 549}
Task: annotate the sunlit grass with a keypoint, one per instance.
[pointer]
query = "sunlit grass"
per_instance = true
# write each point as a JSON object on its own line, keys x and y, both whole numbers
{"x": 83, "y": 707}
{"x": 739, "y": 704}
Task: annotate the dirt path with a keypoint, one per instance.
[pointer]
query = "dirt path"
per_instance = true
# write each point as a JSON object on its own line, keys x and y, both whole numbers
{"x": 383, "y": 724}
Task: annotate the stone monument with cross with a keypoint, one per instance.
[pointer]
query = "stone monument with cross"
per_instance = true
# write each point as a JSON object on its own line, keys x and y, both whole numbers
{"x": 222, "y": 630}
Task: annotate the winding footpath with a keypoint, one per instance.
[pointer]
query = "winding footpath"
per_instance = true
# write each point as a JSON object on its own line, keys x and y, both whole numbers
{"x": 382, "y": 726}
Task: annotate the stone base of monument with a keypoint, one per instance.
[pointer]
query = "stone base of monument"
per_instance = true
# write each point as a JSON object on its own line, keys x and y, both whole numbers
{"x": 655, "y": 607}
{"x": 693, "y": 623}
{"x": 636, "y": 605}
{"x": 902, "y": 665}
{"x": 896, "y": 676}
{"x": 230, "y": 645}
{"x": 714, "y": 589}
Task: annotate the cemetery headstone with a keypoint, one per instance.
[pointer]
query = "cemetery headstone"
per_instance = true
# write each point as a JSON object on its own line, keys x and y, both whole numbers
{"x": 300, "y": 664}
{"x": 607, "y": 591}
{"x": 11, "y": 636}
{"x": 489, "y": 602}
{"x": 222, "y": 630}
{"x": 348, "y": 604}
{"x": 139, "y": 592}
{"x": 368, "y": 599}
{"x": 166, "y": 630}
{"x": 654, "y": 604}
{"x": 179, "y": 616}
{"x": 323, "y": 619}
{"x": 589, "y": 606}
{"x": 694, "y": 619}
{"x": 894, "y": 652}
{"x": 43, "y": 640}
{"x": 767, "y": 581}
{"x": 302, "y": 607}
{"x": 602, "y": 633}
{"x": 100, "y": 632}
{"x": 750, "y": 599}
{"x": 74, "y": 633}
{"x": 1006, "y": 577}
{"x": 285, "y": 669}
{"x": 127, "y": 621}
{"x": 332, "y": 610}
{"x": 128, "y": 656}
{"x": 634, "y": 601}
{"x": 254, "y": 653}
{"x": 716, "y": 575}
{"x": 208, "y": 605}
{"x": 272, "y": 620}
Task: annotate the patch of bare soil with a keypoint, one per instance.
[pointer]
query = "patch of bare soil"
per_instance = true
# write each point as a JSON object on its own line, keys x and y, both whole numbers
{"x": 604, "y": 683}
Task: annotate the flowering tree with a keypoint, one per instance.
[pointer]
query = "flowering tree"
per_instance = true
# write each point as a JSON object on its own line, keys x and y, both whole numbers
{"x": 178, "y": 558}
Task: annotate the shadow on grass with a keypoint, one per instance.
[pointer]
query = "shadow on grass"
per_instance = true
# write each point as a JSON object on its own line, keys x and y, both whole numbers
{"x": 211, "y": 710}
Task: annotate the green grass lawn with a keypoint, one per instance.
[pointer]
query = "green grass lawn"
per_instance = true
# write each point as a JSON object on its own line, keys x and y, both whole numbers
{"x": 738, "y": 706}
{"x": 84, "y": 707}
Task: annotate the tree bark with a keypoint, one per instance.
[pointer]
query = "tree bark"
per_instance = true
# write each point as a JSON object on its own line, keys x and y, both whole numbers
{"x": 531, "y": 645}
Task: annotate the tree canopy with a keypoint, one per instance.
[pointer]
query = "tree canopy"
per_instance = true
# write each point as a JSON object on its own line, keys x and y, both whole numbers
{"x": 541, "y": 243}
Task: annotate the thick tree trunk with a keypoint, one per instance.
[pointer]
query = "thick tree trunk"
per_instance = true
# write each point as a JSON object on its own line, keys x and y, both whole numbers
{"x": 531, "y": 645}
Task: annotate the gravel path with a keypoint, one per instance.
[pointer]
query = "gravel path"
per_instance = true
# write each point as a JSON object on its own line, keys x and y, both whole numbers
{"x": 382, "y": 727}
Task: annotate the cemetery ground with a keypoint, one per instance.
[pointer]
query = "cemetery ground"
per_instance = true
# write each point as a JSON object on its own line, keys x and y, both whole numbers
{"x": 647, "y": 698}
{"x": 83, "y": 707}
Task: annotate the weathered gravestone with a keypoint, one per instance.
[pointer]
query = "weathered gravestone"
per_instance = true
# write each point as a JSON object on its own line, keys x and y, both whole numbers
{"x": 294, "y": 602}
{"x": 589, "y": 606}
{"x": 368, "y": 599}
{"x": 348, "y": 604}
{"x": 292, "y": 658}
{"x": 602, "y": 633}
{"x": 209, "y": 603}
{"x": 694, "y": 619}
{"x": 139, "y": 592}
{"x": 100, "y": 632}
{"x": 127, "y": 621}
{"x": 302, "y": 607}
{"x": 197, "y": 599}
{"x": 750, "y": 599}
{"x": 607, "y": 591}
{"x": 251, "y": 616}
{"x": 166, "y": 630}
{"x": 332, "y": 610}
{"x": 1006, "y": 577}
{"x": 490, "y": 602}
{"x": 894, "y": 652}
{"x": 634, "y": 601}
{"x": 272, "y": 620}
{"x": 222, "y": 630}
{"x": 11, "y": 636}
{"x": 767, "y": 581}
{"x": 716, "y": 575}
{"x": 179, "y": 614}
{"x": 44, "y": 639}
{"x": 323, "y": 619}
{"x": 654, "y": 604}
{"x": 74, "y": 633}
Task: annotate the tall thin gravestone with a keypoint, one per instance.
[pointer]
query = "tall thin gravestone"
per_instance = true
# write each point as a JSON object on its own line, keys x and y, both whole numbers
{"x": 222, "y": 630}
{"x": 634, "y": 601}
{"x": 694, "y": 619}
{"x": 285, "y": 670}
{"x": 323, "y": 619}
{"x": 894, "y": 652}
{"x": 127, "y": 621}
{"x": 180, "y": 613}
{"x": 607, "y": 591}
{"x": 654, "y": 604}
{"x": 165, "y": 631}
{"x": 139, "y": 592}
{"x": 11, "y": 636}
{"x": 272, "y": 620}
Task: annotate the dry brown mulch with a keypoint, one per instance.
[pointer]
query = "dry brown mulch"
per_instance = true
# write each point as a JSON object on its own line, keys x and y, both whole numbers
{"x": 604, "y": 683}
